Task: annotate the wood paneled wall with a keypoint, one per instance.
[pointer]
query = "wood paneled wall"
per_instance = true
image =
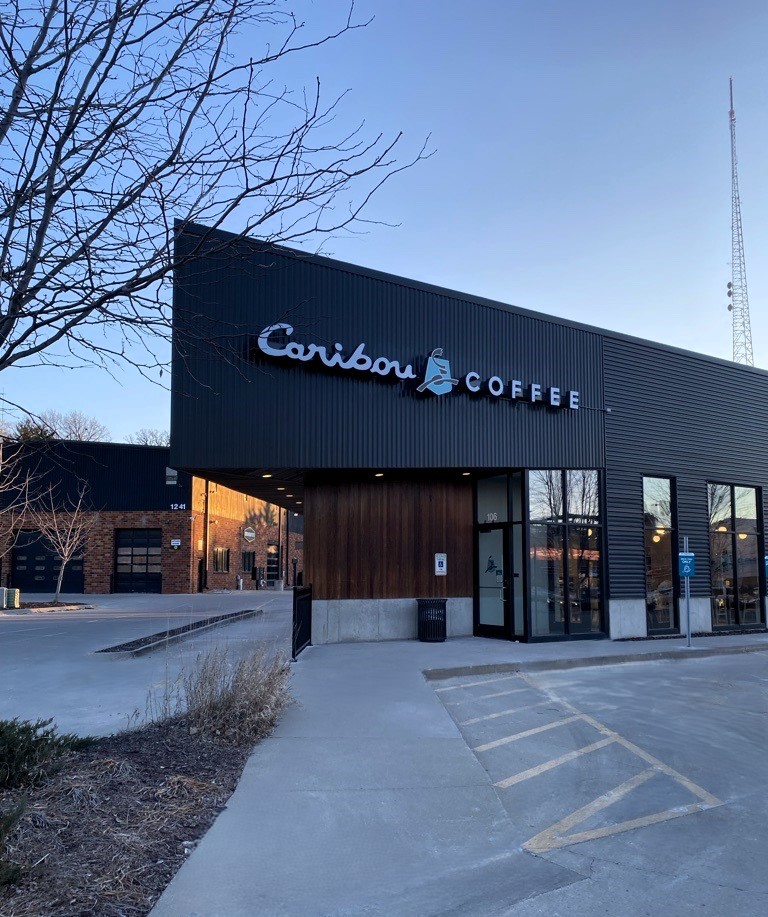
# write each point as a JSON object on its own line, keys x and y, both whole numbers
{"x": 371, "y": 540}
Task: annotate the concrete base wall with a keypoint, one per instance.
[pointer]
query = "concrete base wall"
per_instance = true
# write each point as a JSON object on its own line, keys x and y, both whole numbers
{"x": 359, "y": 620}
{"x": 627, "y": 618}
{"x": 701, "y": 615}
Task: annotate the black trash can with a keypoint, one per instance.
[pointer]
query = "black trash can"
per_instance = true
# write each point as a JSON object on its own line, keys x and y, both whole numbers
{"x": 432, "y": 627}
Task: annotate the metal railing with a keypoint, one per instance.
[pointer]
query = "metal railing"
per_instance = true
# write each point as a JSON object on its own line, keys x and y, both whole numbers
{"x": 302, "y": 619}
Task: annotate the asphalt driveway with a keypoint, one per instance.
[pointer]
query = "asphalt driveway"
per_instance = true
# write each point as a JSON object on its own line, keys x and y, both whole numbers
{"x": 49, "y": 666}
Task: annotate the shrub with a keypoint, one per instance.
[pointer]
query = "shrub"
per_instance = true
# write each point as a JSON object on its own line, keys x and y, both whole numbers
{"x": 239, "y": 702}
{"x": 30, "y": 750}
{"x": 9, "y": 872}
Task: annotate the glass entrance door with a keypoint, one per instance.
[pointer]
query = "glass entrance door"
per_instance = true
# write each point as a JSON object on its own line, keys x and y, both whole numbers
{"x": 492, "y": 582}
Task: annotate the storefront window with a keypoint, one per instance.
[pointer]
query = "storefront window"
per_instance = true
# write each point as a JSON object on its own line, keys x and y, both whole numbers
{"x": 735, "y": 552}
{"x": 660, "y": 542}
{"x": 565, "y": 559}
{"x": 582, "y": 496}
{"x": 546, "y": 581}
{"x": 545, "y": 496}
{"x": 584, "y": 580}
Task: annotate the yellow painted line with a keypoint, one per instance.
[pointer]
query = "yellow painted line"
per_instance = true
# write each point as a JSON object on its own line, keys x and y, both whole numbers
{"x": 549, "y": 765}
{"x": 555, "y": 836}
{"x": 523, "y": 735}
{"x": 500, "y": 694}
{"x": 475, "y": 684}
{"x": 508, "y": 712}
{"x": 474, "y": 697}
{"x": 694, "y": 788}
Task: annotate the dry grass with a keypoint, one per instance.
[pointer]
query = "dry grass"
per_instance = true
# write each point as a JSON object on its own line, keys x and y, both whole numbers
{"x": 239, "y": 702}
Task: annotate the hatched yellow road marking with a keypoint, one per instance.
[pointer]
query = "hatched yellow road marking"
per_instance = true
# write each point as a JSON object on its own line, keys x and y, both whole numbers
{"x": 694, "y": 788}
{"x": 554, "y": 762}
{"x": 558, "y": 835}
{"x": 555, "y": 836}
{"x": 522, "y": 735}
{"x": 509, "y": 712}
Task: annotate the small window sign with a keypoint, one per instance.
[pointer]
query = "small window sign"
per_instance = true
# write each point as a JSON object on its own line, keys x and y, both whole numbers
{"x": 249, "y": 534}
{"x": 441, "y": 564}
{"x": 175, "y": 543}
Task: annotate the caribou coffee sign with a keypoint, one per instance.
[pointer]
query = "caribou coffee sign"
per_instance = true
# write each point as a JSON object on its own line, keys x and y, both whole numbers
{"x": 437, "y": 378}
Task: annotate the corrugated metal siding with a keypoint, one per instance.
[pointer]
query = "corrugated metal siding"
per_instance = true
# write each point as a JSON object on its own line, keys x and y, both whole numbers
{"x": 119, "y": 476}
{"x": 233, "y": 415}
{"x": 682, "y": 416}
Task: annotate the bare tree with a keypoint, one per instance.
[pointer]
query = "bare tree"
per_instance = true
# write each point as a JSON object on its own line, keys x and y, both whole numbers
{"x": 64, "y": 524}
{"x": 15, "y": 486}
{"x": 150, "y": 436}
{"x": 74, "y": 425}
{"x": 121, "y": 118}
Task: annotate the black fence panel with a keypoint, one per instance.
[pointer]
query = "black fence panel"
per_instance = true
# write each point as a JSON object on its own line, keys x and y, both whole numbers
{"x": 302, "y": 619}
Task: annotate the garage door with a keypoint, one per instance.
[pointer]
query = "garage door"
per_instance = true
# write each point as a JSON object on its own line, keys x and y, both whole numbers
{"x": 138, "y": 560}
{"x": 35, "y": 568}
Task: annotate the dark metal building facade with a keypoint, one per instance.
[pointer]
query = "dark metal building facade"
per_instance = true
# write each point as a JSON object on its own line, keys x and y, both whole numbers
{"x": 260, "y": 410}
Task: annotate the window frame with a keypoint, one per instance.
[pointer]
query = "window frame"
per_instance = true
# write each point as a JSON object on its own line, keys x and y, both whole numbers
{"x": 221, "y": 560}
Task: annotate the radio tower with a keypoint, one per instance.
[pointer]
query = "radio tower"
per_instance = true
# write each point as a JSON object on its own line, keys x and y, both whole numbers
{"x": 737, "y": 288}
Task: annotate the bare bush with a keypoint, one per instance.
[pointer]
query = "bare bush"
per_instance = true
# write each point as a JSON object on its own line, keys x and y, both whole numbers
{"x": 239, "y": 702}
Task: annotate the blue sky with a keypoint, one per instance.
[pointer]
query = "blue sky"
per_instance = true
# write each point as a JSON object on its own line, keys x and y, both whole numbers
{"x": 581, "y": 166}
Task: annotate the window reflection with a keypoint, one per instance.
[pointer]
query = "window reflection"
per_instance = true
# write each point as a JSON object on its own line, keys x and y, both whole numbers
{"x": 735, "y": 551}
{"x": 745, "y": 509}
{"x": 657, "y": 502}
{"x": 546, "y": 580}
{"x": 565, "y": 586}
{"x": 584, "y": 580}
{"x": 719, "y": 507}
{"x": 659, "y": 553}
{"x": 583, "y": 496}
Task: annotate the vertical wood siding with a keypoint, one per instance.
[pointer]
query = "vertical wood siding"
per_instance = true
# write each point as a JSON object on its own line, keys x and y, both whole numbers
{"x": 378, "y": 540}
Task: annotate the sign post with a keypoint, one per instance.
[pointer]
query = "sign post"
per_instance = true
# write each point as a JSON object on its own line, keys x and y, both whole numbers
{"x": 687, "y": 569}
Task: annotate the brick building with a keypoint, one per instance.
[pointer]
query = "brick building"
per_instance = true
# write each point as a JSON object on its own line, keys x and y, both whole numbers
{"x": 153, "y": 529}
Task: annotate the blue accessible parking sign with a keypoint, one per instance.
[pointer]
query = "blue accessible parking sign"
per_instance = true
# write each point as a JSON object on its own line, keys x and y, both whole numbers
{"x": 687, "y": 566}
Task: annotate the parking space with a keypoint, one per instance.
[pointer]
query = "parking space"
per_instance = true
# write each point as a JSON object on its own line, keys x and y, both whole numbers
{"x": 649, "y": 779}
{"x": 559, "y": 770}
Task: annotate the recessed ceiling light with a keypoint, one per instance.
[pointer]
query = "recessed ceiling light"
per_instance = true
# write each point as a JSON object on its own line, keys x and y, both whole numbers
{"x": 465, "y": 474}
{"x": 289, "y": 495}
{"x": 379, "y": 474}
{"x": 281, "y": 488}
{"x": 266, "y": 475}
{"x": 299, "y": 502}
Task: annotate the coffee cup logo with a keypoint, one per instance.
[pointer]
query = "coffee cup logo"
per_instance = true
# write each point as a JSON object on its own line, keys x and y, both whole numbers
{"x": 437, "y": 377}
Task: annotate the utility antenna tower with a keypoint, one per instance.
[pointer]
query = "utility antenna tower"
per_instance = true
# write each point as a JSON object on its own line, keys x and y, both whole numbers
{"x": 737, "y": 288}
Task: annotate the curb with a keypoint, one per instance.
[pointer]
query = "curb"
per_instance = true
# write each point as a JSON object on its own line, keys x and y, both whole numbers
{"x": 586, "y": 662}
{"x": 165, "y": 637}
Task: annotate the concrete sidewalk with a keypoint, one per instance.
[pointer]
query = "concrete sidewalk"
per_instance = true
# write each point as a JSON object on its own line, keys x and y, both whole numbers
{"x": 368, "y": 801}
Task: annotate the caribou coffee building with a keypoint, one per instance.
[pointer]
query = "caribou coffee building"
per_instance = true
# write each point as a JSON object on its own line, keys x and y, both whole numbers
{"x": 538, "y": 473}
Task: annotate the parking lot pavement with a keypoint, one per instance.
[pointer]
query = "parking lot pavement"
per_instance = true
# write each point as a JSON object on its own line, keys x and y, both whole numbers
{"x": 648, "y": 779}
{"x": 49, "y": 666}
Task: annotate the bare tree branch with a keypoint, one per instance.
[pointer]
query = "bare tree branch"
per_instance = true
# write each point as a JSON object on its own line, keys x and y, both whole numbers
{"x": 148, "y": 436}
{"x": 122, "y": 121}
